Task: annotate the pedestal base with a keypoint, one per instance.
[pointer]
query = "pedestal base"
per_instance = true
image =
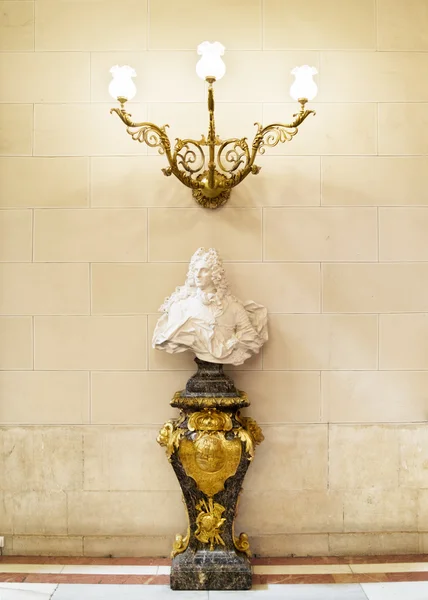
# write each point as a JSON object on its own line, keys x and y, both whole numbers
{"x": 206, "y": 570}
{"x": 210, "y": 447}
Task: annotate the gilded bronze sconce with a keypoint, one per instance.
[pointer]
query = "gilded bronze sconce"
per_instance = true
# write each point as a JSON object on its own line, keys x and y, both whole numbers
{"x": 211, "y": 177}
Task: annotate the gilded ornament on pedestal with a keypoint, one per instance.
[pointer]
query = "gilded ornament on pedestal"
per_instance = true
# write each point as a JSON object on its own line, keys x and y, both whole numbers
{"x": 250, "y": 434}
{"x": 180, "y": 544}
{"x": 202, "y": 402}
{"x": 170, "y": 435}
{"x": 209, "y": 522}
{"x": 210, "y": 419}
{"x": 210, "y": 459}
{"x": 242, "y": 544}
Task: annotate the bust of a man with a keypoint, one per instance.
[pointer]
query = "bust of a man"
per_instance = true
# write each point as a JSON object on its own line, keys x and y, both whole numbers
{"x": 204, "y": 317}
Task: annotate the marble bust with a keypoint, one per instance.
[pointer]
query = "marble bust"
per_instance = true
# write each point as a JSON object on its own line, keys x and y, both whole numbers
{"x": 204, "y": 317}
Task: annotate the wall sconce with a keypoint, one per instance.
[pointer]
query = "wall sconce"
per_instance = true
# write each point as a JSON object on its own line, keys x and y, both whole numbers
{"x": 212, "y": 177}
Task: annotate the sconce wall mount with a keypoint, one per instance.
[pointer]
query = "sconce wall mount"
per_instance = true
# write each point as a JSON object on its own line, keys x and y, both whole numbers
{"x": 213, "y": 174}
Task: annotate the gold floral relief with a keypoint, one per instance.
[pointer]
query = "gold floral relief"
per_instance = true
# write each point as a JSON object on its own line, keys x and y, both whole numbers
{"x": 209, "y": 523}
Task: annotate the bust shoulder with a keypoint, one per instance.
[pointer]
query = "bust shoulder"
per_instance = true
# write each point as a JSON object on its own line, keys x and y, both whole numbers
{"x": 233, "y": 304}
{"x": 233, "y": 310}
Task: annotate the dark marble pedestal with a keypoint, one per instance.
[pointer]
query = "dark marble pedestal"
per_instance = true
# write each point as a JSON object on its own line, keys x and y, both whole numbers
{"x": 211, "y": 570}
{"x": 210, "y": 447}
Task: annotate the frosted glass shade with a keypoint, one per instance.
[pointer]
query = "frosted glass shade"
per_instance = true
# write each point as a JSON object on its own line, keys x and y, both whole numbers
{"x": 304, "y": 86}
{"x": 210, "y": 64}
{"x": 122, "y": 86}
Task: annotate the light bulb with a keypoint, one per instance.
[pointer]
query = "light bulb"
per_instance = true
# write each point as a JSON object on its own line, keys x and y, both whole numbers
{"x": 304, "y": 86}
{"x": 122, "y": 86}
{"x": 210, "y": 64}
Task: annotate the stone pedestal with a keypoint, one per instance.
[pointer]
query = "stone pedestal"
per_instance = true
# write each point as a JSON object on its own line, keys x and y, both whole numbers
{"x": 210, "y": 447}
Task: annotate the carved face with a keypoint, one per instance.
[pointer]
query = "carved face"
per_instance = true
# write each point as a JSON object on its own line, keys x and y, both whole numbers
{"x": 203, "y": 276}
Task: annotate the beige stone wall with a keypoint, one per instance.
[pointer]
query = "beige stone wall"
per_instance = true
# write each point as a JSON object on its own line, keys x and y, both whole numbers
{"x": 331, "y": 237}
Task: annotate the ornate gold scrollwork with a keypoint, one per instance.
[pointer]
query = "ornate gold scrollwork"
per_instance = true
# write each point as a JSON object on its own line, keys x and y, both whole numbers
{"x": 153, "y": 136}
{"x": 170, "y": 436}
{"x": 209, "y": 522}
{"x": 189, "y": 156}
{"x": 242, "y": 544}
{"x": 233, "y": 154}
{"x": 181, "y": 542}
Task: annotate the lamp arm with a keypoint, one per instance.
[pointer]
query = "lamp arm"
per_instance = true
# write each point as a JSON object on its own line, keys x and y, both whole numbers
{"x": 156, "y": 137}
{"x": 238, "y": 153}
{"x": 274, "y": 133}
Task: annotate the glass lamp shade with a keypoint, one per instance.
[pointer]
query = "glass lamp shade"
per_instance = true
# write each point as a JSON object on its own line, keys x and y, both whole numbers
{"x": 122, "y": 86}
{"x": 304, "y": 86}
{"x": 210, "y": 64}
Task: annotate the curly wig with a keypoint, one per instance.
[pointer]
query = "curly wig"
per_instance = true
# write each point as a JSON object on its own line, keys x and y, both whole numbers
{"x": 214, "y": 263}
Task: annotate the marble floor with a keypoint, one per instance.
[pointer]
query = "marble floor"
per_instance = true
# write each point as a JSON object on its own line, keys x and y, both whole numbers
{"x": 350, "y": 578}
